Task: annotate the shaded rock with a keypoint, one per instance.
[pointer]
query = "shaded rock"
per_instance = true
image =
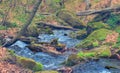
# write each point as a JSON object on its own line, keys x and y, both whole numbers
{"x": 69, "y": 18}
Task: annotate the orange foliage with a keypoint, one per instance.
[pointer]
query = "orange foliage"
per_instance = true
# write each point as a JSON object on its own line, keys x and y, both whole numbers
{"x": 112, "y": 37}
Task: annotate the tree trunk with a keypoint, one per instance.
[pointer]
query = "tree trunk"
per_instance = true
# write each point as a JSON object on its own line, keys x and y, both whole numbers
{"x": 88, "y": 4}
{"x": 28, "y": 22}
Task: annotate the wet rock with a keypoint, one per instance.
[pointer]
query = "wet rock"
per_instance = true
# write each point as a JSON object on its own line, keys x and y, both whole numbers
{"x": 72, "y": 60}
{"x": 69, "y": 18}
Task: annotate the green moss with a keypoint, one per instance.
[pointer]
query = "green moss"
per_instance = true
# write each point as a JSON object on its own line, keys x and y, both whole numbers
{"x": 113, "y": 19}
{"x": 98, "y": 25}
{"x": 2, "y": 27}
{"x": 102, "y": 51}
{"x": 13, "y": 25}
{"x": 11, "y": 52}
{"x": 94, "y": 38}
{"x": 95, "y": 43}
{"x": 86, "y": 55}
{"x": 29, "y": 63}
{"x": 117, "y": 29}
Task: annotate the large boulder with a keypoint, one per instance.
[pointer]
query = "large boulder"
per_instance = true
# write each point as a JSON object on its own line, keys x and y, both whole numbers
{"x": 70, "y": 18}
{"x": 23, "y": 62}
{"x": 29, "y": 63}
{"x": 102, "y": 51}
{"x": 84, "y": 55}
{"x": 95, "y": 39}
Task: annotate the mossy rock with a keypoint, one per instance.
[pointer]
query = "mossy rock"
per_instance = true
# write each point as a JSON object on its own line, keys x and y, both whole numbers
{"x": 103, "y": 51}
{"x": 29, "y": 63}
{"x": 81, "y": 34}
{"x": 98, "y": 25}
{"x": 94, "y": 39}
{"x": 50, "y": 71}
{"x": 70, "y": 18}
{"x": 26, "y": 63}
{"x": 73, "y": 59}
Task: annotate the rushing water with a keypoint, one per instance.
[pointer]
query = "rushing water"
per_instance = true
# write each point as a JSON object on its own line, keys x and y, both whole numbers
{"x": 49, "y": 61}
{"x": 52, "y": 62}
{"x": 61, "y": 35}
{"x": 90, "y": 67}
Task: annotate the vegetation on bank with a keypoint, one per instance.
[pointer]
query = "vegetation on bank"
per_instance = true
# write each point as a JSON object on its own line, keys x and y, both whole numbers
{"x": 100, "y": 34}
{"x": 24, "y": 62}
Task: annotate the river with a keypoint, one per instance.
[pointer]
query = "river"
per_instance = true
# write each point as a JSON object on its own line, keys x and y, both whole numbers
{"x": 52, "y": 62}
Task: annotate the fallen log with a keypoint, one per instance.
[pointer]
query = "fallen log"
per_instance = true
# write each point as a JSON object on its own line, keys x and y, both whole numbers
{"x": 42, "y": 24}
{"x": 43, "y": 48}
{"x": 105, "y": 10}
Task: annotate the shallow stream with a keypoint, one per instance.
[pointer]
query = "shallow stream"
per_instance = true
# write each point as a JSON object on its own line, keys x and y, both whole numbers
{"x": 52, "y": 62}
